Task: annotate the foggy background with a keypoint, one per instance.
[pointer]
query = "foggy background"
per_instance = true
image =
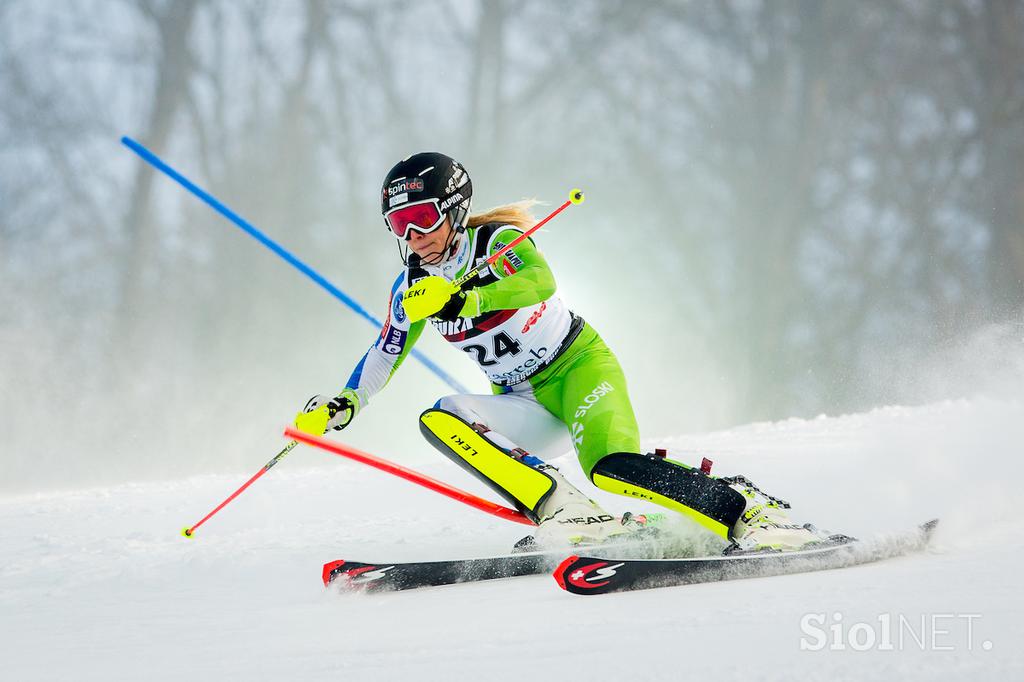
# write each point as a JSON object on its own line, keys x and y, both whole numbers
{"x": 793, "y": 208}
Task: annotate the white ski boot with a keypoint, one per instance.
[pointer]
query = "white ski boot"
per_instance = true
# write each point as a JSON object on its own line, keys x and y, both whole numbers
{"x": 764, "y": 524}
{"x": 569, "y": 518}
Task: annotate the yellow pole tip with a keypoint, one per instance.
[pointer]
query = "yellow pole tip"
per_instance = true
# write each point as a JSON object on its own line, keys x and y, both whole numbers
{"x": 576, "y": 196}
{"x": 186, "y": 532}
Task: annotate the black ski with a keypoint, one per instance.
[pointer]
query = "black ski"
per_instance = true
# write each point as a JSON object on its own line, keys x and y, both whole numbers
{"x": 592, "y": 575}
{"x": 409, "y": 575}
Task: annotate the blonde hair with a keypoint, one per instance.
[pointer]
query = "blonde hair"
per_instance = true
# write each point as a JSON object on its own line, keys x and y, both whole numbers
{"x": 517, "y": 214}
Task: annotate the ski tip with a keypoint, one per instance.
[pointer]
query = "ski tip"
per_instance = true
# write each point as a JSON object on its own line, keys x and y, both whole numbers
{"x": 562, "y": 569}
{"x": 330, "y": 568}
{"x": 186, "y": 532}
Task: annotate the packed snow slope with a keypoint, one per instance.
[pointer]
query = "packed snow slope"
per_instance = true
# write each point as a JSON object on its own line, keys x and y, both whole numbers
{"x": 98, "y": 584}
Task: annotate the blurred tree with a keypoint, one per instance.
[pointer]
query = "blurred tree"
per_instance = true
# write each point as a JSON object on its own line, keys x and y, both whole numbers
{"x": 992, "y": 47}
{"x": 171, "y": 24}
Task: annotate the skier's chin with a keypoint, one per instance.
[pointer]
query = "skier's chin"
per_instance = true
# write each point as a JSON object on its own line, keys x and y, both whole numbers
{"x": 431, "y": 257}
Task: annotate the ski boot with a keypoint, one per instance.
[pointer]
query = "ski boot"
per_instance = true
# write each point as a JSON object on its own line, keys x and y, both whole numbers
{"x": 764, "y": 524}
{"x": 641, "y": 528}
{"x": 568, "y": 518}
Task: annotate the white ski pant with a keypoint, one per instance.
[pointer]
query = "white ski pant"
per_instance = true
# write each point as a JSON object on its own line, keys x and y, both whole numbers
{"x": 516, "y": 416}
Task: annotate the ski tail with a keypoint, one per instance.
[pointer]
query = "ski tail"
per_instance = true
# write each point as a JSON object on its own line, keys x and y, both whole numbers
{"x": 331, "y": 571}
{"x": 587, "y": 575}
{"x": 356, "y": 574}
{"x": 560, "y": 571}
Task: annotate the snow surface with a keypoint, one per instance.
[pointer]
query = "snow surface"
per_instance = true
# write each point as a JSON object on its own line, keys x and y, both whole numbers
{"x": 97, "y": 584}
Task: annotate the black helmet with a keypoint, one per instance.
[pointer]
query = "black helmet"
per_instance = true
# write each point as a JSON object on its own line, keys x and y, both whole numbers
{"x": 421, "y": 189}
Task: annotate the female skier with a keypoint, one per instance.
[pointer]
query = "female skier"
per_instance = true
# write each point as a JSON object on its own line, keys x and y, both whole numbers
{"x": 550, "y": 372}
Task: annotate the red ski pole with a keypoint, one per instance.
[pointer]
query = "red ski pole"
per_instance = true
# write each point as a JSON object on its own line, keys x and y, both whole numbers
{"x": 188, "y": 530}
{"x": 410, "y": 475}
{"x": 575, "y": 197}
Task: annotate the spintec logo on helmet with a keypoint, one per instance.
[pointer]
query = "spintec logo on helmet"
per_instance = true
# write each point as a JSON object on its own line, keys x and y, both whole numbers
{"x": 405, "y": 185}
{"x": 398, "y": 192}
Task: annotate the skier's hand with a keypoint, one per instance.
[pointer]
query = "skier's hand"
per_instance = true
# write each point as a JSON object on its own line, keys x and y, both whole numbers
{"x": 428, "y": 296}
{"x": 322, "y": 413}
{"x": 437, "y": 297}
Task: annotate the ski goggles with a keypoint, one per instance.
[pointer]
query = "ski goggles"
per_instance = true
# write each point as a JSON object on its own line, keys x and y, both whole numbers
{"x": 422, "y": 216}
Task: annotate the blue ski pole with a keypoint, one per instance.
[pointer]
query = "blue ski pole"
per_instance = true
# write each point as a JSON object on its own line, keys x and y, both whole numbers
{"x": 259, "y": 236}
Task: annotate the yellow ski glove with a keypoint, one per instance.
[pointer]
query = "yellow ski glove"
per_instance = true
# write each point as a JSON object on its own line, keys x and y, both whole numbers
{"x": 322, "y": 413}
{"x": 428, "y": 297}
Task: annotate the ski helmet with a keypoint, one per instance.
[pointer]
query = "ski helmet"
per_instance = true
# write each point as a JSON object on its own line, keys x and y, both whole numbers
{"x": 421, "y": 190}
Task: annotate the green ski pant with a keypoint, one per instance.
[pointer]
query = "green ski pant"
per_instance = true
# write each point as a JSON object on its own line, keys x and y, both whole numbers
{"x": 586, "y": 389}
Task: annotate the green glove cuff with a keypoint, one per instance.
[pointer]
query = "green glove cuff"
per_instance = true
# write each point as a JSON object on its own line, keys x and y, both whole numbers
{"x": 353, "y": 397}
{"x": 471, "y": 308}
